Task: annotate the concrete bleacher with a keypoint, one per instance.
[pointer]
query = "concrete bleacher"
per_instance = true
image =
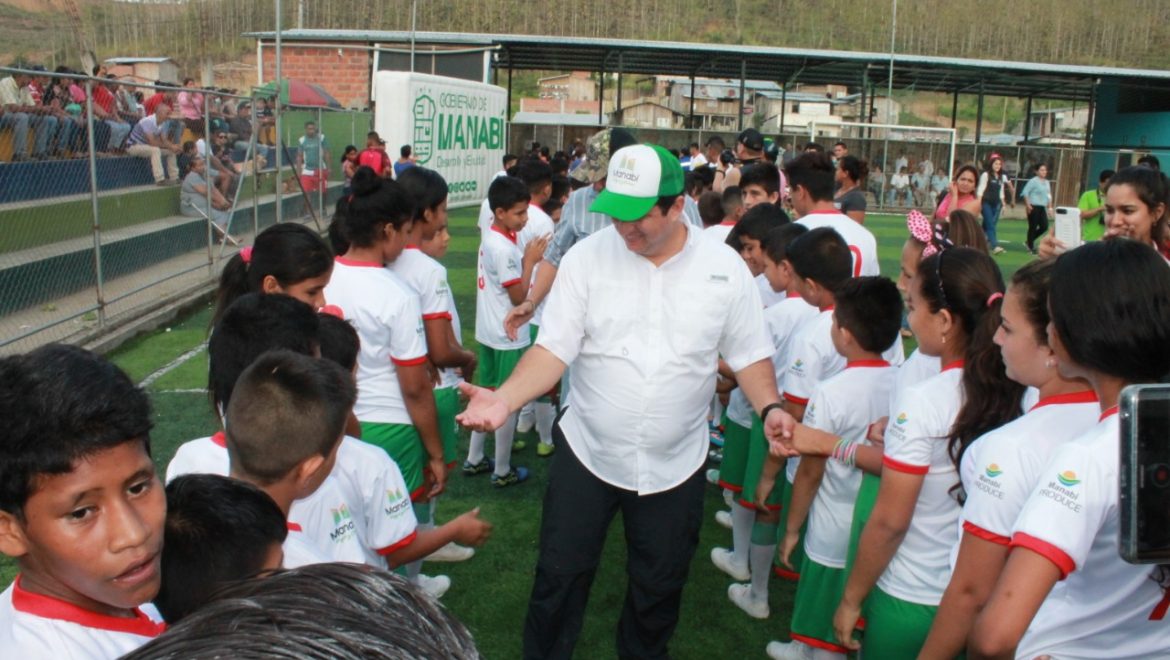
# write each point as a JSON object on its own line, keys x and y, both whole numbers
{"x": 47, "y": 244}
{"x": 45, "y": 179}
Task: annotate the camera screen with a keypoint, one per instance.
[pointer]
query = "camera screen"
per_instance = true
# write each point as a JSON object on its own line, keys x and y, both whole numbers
{"x": 1152, "y": 474}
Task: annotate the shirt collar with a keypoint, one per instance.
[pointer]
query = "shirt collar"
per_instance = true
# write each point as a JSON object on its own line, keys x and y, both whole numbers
{"x": 49, "y": 607}
{"x": 510, "y": 235}
{"x": 1086, "y": 396}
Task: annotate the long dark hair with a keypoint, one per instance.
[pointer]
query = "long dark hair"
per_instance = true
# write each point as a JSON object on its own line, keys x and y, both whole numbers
{"x": 287, "y": 251}
{"x": 374, "y": 203}
{"x": 965, "y": 282}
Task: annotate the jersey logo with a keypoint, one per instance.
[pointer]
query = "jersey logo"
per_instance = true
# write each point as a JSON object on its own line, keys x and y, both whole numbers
{"x": 343, "y": 525}
{"x": 717, "y": 278}
{"x": 396, "y": 502}
{"x": 340, "y": 513}
{"x": 1068, "y": 478}
{"x": 901, "y": 419}
{"x": 993, "y": 471}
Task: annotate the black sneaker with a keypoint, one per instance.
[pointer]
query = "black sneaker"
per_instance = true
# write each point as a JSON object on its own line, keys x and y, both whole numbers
{"x": 472, "y": 469}
{"x": 514, "y": 476}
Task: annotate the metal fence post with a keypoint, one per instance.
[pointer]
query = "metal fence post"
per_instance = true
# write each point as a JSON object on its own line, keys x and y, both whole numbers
{"x": 322, "y": 164}
{"x": 209, "y": 183}
{"x": 93, "y": 200}
{"x": 254, "y": 150}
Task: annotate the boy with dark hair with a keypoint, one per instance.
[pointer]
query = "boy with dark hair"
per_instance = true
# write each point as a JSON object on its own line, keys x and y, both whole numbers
{"x": 218, "y": 531}
{"x": 810, "y": 181}
{"x": 866, "y": 320}
{"x": 81, "y": 508}
{"x": 505, "y": 273}
{"x": 286, "y": 419}
{"x": 732, "y": 203}
{"x": 759, "y": 183}
{"x": 711, "y": 208}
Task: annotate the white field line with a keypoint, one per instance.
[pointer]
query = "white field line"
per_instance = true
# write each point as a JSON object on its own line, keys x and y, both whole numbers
{"x": 173, "y": 364}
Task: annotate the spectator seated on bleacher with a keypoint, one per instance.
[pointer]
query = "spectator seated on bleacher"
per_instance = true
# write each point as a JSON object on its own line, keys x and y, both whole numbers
{"x": 267, "y": 122}
{"x": 169, "y": 95}
{"x": 148, "y": 139}
{"x": 105, "y": 108}
{"x": 191, "y": 107}
{"x": 241, "y": 133}
{"x": 19, "y": 112}
{"x": 126, "y": 104}
{"x": 193, "y": 198}
{"x": 42, "y": 91}
{"x": 219, "y": 163}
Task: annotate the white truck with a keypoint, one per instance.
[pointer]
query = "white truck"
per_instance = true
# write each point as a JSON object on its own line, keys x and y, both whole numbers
{"x": 456, "y": 127}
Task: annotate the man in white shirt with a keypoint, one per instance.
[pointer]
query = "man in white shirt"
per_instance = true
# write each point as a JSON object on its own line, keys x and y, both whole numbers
{"x": 642, "y": 310}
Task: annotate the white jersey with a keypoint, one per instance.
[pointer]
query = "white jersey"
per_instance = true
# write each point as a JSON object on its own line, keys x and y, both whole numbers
{"x": 916, "y": 369}
{"x": 385, "y": 312}
{"x": 767, "y": 295}
{"x": 428, "y": 278}
{"x": 719, "y": 232}
{"x": 327, "y": 518}
{"x": 1104, "y": 607}
{"x": 539, "y": 224}
{"x": 39, "y": 627}
{"x": 916, "y": 443}
{"x": 783, "y": 321}
{"x": 300, "y": 550}
{"x": 370, "y": 484}
{"x": 844, "y": 405}
{"x": 739, "y": 410}
{"x": 861, "y": 243}
{"x": 500, "y": 266}
{"x": 486, "y": 216}
{"x": 1001, "y": 467}
{"x": 450, "y": 377}
{"x": 813, "y": 358}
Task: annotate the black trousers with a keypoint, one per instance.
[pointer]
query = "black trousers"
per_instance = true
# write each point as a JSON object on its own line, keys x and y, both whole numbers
{"x": 662, "y": 532}
{"x": 1037, "y": 224}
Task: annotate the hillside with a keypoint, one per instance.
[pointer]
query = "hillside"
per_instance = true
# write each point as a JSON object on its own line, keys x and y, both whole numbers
{"x": 1121, "y": 33}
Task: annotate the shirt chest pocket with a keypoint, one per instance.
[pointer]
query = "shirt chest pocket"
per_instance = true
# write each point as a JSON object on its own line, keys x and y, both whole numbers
{"x": 695, "y": 318}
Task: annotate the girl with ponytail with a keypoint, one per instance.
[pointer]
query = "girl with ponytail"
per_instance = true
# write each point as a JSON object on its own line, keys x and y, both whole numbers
{"x": 285, "y": 258}
{"x": 1065, "y": 592}
{"x": 904, "y": 550}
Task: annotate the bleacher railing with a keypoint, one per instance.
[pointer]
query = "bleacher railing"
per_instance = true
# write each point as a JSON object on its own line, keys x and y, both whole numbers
{"x": 102, "y": 226}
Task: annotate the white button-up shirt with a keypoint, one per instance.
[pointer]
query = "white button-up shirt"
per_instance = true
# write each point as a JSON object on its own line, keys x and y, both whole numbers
{"x": 644, "y": 341}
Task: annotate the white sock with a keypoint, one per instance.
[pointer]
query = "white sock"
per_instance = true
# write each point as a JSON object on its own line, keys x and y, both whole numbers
{"x": 415, "y": 567}
{"x": 760, "y": 561}
{"x": 825, "y": 654}
{"x": 433, "y": 505}
{"x": 546, "y": 413}
{"x": 504, "y": 436}
{"x": 742, "y": 519}
{"x": 475, "y": 450}
{"x": 527, "y": 418}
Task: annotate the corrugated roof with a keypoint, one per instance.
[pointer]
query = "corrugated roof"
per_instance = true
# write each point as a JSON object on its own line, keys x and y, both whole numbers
{"x": 785, "y": 65}
{"x": 137, "y": 60}
{"x": 559, "y": 118}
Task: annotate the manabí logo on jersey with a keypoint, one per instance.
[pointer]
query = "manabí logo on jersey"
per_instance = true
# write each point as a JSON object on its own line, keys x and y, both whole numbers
{"x": 343, "y": 525}
{"x": 1061, "y": 491}
{"x": 396, "y": 502}
{"x": 989, "y": 483}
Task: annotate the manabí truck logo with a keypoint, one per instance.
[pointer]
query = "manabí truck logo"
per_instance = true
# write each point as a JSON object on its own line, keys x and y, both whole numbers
{"x": 424, "y": 129}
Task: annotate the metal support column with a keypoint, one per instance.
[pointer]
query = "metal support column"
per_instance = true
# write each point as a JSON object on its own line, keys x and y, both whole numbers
{"x": 783, "y": 105}
{"x": 93, "y": 201}
{"x": 742, "y": 84}
{"x": 618, "y": 108}
{"x": 955, "y": 110}
{"x": 1028, "y": 119}
{"x": 601, "y": 95}
{"x": 691, "y": 119}
{"x": 979, "y": 119}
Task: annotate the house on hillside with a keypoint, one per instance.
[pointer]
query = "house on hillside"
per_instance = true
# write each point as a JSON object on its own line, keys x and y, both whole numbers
{"x": 649, "y": 113}
{"x": 574, "y": 86}
{"x": 143, "y": 69}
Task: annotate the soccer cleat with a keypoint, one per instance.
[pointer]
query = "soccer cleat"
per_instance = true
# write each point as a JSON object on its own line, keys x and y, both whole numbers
{"x": 998, "y": 250}
{"x": 713, "y": 476}
{"x": 485, "y": 465}
{"x": 544, "y": 449}
{"x": 514, "y": 476}
{"x": 434, "y": 586}
{"x": 721, "y": 557}
{"x": 723, "y": 518}
{"x": 451, "y": 552}
{"x": 789, "y": 651}
{"x": 518, "y": 444}
{"x": 715, "y": 456}
{"x": 741, "y": 595}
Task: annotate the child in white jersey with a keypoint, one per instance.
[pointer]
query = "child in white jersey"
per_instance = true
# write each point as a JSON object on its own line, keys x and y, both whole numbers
{"x": 428, "y": 278}
{"x": 504, "y": 277}
{"x": 1065, "y": 592}
{"x": 866, "y": 319}
{"x": 81, "y": 509}
{"x": 905, "y": 547}
{"x": 810, "y": 178}
{"x": 999, "y": 469}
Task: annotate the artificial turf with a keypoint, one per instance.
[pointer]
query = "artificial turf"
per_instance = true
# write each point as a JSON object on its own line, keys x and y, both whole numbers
{"x": 490, "y": 592}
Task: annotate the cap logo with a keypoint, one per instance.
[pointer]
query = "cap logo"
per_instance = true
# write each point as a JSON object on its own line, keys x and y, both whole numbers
{"x": 625, "y": 169}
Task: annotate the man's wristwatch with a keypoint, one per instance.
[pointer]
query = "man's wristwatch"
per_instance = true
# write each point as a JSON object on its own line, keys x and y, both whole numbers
{"x": 768, "y": 409}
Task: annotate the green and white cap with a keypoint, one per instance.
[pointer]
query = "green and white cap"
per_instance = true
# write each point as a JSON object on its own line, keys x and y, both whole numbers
{"x": 638, "y": 176}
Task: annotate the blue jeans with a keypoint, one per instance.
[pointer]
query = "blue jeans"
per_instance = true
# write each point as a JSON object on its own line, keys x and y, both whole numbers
{"x": 990, "y": 220}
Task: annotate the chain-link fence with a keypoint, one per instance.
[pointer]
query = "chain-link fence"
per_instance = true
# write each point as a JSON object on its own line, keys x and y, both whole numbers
{"x": 119, "y": 198}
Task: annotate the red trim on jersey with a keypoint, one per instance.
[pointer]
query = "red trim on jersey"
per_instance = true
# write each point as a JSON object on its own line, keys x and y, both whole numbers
{"x": 727, "y": 224}
{"x": 510, "y": 235}
{"x": 413, "y": 362}
{"x": 437, "y": 315}
{"x": 828, "y": 308}
{"x": 359, "y": 264}
{"x": 220, "y": 439}
{"x": 1159, "y": 611}
{"x": 794, "y": 294}
{"x": 510, "y": 282}
{"x": 866, "y": 363}
{"x": 856, "y": 252}
{"x": 818, "y": 643}
{"x": 48, "y": 607}
{"x": 898, "y": 466}
{"x": 1086, "y": 396}
{"x": 785, "y": 574}
{"x": 294, "y": 527}
{"x": 411, "y": 247}
{"x": 975, "y": 530}
{"x": 402, "y": 543}
{"x": 957, "y": 364}
{"x": 417, "y": 493}
{"x": 825, "y": 212}
{"x": 1046, "y": 550}
{"x": 732, "y": 487}
{"x": 1108, "y": 412}
{"x": 795, "y": 399}
{"x": 752, "y": 505}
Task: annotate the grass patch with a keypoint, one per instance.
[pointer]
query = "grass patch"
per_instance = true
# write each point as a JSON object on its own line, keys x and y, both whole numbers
{"x": 490, "y": 592}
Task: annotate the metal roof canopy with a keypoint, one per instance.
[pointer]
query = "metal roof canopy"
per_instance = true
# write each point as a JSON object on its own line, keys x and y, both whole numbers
{"x": 784, "y": 65}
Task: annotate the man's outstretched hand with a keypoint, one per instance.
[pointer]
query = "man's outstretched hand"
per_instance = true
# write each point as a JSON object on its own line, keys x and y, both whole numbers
{"x": 778, "y": 429}
{"x": 486, "y": 411}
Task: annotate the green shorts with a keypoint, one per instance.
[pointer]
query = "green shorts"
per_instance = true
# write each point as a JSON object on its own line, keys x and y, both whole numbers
{"x": 447, "y": 406}
{"x": 736, "y": 440}
{"x": 862, "y": 507}
{"x": 401, "y": 443}
{"x": 797, "y": 558}
{"x": 894, "y": 628}
{"x": 496, "y": 365}
{"x": 817, "y": 596}
{"x": 757, "y": 455}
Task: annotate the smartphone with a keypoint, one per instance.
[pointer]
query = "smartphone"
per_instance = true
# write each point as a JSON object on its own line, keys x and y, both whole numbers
{"x": 1068, "y": 226}
{"x": 1144, "y": 417}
